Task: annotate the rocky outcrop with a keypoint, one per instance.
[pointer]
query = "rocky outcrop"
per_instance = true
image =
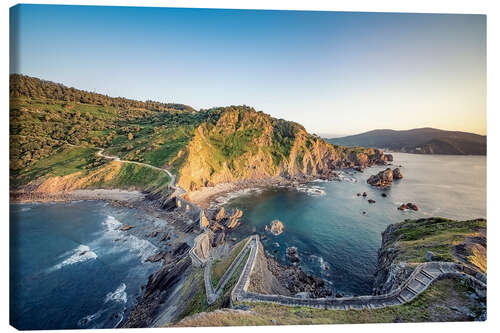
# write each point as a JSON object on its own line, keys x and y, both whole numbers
{"x": 161, "y": 285}
{"x": 276, "y": 227}
{"x": 296, "y": 281}
{"x": 407, "y": 244}
{"x": 293, "y": 255}
{"x": 234, "y": 219}
{"x": 243, "y": 144}
{"x": 126, "y": 227}
{"x": 220, "y": 215}
{"x": 384, "y": 178}
{"x": 390, "y": 273}
{"x": 409, "y": 205}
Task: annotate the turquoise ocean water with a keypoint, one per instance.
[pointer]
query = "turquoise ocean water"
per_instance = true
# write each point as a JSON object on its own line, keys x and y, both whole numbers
{"x": 325, "y": 220}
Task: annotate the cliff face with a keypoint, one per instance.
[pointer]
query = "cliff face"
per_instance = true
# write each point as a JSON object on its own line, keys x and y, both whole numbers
{"x": 409, "y": 243}
{"x": 246, "y": 144}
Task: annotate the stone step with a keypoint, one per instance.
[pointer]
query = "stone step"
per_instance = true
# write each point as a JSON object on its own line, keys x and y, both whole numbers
{"x": 426, "y": 274}
{"x": 420, "y": 281}
{"x": 410, "y": 289}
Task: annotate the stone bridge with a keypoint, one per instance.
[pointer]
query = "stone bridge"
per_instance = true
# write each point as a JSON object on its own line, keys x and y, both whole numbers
{"x": 195, "y": 213}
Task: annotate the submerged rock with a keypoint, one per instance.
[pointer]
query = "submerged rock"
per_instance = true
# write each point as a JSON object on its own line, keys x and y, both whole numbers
{"x": 293, "y": 255}
{"x": 408, "y": 205}
{"x": 126, "y": 227}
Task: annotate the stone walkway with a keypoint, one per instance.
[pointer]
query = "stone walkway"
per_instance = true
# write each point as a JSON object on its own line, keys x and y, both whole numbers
{"x": 213, "y": 295}
{"x": 420, "y": 279}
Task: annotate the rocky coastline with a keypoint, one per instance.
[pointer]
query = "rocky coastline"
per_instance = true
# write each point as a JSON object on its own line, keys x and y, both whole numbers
{"x": 163, "y": 287}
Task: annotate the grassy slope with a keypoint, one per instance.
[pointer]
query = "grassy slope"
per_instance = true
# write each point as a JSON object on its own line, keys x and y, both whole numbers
{"x": 64, "y": 161}
{"x": 41, "y": 129}
{"x": 220, "y": 266}
{"x": 83, "y": 163}
{"x": 438, "y": 235}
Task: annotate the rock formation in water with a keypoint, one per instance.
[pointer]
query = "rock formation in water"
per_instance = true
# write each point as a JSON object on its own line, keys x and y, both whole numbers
{"x": 271, "y": 277}
{"x": 293, "y": 255}
{"x": 276, "y": 227}
{"x": 409, "y": 205}
{"x": 396, "y": 173}
{"x": 384, "y": 178}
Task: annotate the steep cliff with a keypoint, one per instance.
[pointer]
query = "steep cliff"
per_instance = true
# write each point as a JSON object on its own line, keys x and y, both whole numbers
{"x": 245, "y": 144}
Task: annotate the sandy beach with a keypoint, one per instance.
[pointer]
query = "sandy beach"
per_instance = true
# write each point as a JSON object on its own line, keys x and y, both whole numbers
{"x": 206, "y": 196}
{"x": 96, "y": 194}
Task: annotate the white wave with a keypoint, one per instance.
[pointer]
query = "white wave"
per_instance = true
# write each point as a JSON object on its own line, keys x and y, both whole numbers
{"x": 111, "y": 223}
{"x": 344, "y": 177}
{"x": 324, "y": 266}
{"x": 80, "y": 254}
{"x": 225, "y": 198}
{"x": 138, "y": 245}
{"x": 311, "y": 190}
{"x": 119, "y": 295}
{"x": 90, "y": 318}
{"x": 143, "y": 247}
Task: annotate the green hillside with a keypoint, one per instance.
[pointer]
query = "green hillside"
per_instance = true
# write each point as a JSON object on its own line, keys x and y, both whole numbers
{"x": 56, "y": 131}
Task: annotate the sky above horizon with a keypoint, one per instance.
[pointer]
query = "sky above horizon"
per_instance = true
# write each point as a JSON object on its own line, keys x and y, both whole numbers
{"x": 337, "y": 73}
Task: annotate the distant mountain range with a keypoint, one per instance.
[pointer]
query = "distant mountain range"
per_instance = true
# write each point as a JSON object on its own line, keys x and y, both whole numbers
{"x": 419, "y": 141}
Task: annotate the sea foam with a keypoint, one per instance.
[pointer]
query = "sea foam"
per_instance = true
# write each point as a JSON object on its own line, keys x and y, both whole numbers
{"x": 119, "y": 295}
{"x": 80, "y": 254}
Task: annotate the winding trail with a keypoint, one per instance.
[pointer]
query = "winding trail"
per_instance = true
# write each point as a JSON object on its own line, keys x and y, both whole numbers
{"x": 420, "y": 279}
{"x": 178, "y": 190}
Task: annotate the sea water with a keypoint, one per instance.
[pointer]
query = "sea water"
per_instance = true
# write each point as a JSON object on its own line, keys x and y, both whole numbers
{"x": 335, "y": 239}
{"x": 72, "y": 267}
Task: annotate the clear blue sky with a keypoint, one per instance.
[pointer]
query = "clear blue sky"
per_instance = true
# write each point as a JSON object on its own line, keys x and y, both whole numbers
{"x": 334, "y": 72}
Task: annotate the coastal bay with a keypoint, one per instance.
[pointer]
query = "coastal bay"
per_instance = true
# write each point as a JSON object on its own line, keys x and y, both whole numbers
{"x": 325, "y": 220}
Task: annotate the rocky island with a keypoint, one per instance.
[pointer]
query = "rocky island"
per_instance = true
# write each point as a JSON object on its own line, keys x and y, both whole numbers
{"x": 276, "y": 227}
{"x": 384, "y": 178}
